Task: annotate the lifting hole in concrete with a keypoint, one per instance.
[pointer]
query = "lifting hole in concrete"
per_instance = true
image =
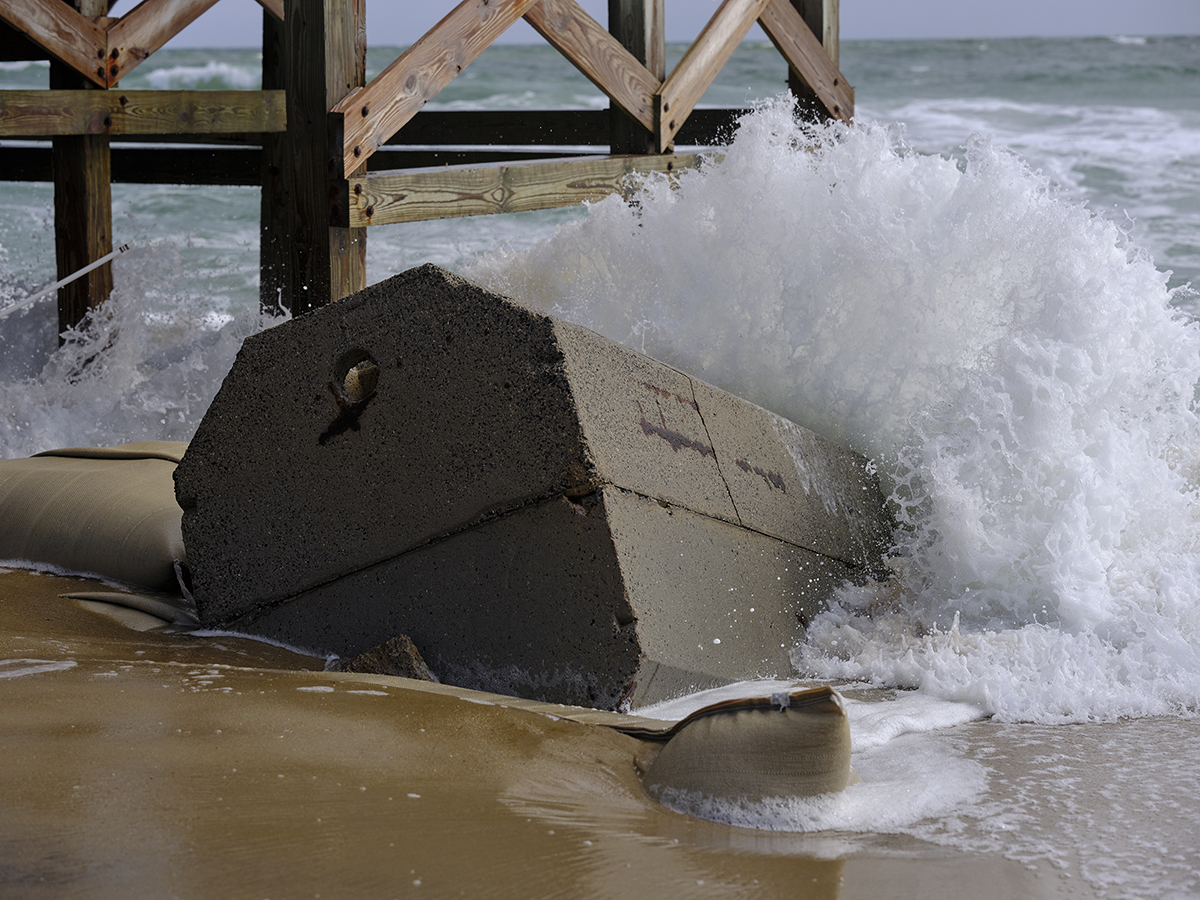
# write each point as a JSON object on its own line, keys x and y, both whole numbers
{"x": 357, "y": 374}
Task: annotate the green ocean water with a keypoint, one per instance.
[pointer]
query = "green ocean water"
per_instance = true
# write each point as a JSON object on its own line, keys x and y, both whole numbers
{"x": 1114, "y": 121}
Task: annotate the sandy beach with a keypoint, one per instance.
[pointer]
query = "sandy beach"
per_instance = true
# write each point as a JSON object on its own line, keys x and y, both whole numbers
{"x": 141, "y": 763}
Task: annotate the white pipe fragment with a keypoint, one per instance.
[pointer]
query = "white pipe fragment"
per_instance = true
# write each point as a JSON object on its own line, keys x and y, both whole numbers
{"x": 28, "y": 301}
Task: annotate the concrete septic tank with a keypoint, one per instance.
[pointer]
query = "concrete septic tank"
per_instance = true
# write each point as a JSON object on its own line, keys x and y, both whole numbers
{"x": 542, "y": 511}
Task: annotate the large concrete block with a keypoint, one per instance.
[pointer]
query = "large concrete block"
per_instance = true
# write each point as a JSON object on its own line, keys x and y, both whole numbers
{"x": 614, "y": 597}
{"x": 543, "y": 511}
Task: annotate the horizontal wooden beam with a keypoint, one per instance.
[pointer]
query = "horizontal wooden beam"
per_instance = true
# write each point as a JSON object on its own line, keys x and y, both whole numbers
{"x": 223, "y": 138}
{"x": 144, "y": 29}
{"x": 808, "y": 58}
{"x": 700, "y": 64}
{"x": 183, "y": 165}
{"x": 506, "y": 126}
{"x": 705, "y": 127}
{"x": 230, "y": 165}
{"x": 386, "y": 198}
{"x": 45, "y": 113}
{"x": 388, "y": 159}
{"x": 376, "y": 112}
{"x": 579, "y": 127}
{"x": 598, "y": 55}
{"x": 69, "y": 37}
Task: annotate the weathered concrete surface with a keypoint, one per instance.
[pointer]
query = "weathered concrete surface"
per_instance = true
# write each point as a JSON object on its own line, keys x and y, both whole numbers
{"x": 543, "y": 511}
{"x": 612, "y": 597}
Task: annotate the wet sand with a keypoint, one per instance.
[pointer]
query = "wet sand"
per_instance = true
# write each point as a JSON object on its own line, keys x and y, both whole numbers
{"x": 150, "y": 764}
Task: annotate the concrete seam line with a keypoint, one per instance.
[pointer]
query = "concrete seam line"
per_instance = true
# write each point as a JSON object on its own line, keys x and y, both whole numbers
{"x": 716, "y": 456}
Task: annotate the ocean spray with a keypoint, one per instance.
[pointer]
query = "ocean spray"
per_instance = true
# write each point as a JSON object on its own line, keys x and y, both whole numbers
{"x": 1010, "y": 361}
{"x": 144, "y": 366}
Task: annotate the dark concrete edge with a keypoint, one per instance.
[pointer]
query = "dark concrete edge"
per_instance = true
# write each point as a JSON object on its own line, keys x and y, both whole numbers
{"x": 860, "y": 574}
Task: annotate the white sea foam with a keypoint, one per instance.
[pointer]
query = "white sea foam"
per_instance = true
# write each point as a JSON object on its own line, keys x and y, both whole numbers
{"x": 1138, "y": 164}
{"x": 145, "y": 367}
{"x": 1009, "y": 359}
{"x": 21, "y": 65}
{"x": 211, "y": 74}
{"x": 18, "y": 668}
{"x": 911, "y": 781}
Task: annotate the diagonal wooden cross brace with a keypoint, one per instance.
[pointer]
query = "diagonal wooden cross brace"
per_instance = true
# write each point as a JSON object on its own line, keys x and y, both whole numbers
{"x": 102, "y": 49}
{"x": 375, "y": 112}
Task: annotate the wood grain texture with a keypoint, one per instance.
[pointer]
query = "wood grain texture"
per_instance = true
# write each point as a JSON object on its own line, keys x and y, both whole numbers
{"x": 82, "y": 223}
{"x": 639, "y": 25}
{"x": 145, "y": 29}
{"x": 73, "y": 39}
{"x": 539, "y": 130}
{"x": 49, "y": 113}
{"x": 807, "y": 58}
{"x": 377, "y": 111}
{"x": 505, "y": 126}
{"x": 323, "y": 58}
{"x": 208, "y": 165}
{"x": 598, "y": 55}
{"x": 822, "y": 18}
{"x": 345, "y": 71}
{"x": 82, "y": 166}
{"x": 274, "y": 202}
{"x": 382, "y": 198}
{"x": 704, "y": 59}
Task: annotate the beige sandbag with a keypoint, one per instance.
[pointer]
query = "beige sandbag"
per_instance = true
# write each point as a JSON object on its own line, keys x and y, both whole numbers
{"x": 786, "y": 745}
{"x": 105, "y": 510}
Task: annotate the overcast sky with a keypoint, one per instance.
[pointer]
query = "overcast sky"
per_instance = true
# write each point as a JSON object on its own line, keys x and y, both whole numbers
{"x": 237, "y": 23}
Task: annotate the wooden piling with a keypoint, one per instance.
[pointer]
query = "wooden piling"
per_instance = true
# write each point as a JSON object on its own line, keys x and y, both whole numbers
{"x": 639, "y": 26}
{"x": 821, "y": 17}
{"x": 325, "y": 58}
{"x": 274, "y": 285}
{"x": 82, "y": 201}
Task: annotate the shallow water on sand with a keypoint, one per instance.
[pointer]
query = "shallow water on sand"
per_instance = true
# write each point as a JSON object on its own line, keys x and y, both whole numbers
{"x": 148, "y": 764}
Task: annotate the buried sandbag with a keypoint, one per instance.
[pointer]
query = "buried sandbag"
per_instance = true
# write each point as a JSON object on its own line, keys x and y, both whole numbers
{"x": 110, "y": 511}
{"x": 747, "y": 751}
{"x": 544, "y": 512}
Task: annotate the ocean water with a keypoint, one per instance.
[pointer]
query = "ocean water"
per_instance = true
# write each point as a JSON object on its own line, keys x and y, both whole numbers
{"x": 984, "y": 285}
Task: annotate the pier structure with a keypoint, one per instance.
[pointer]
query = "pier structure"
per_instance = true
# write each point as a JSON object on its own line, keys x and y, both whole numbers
{"x": 334, "y": 154}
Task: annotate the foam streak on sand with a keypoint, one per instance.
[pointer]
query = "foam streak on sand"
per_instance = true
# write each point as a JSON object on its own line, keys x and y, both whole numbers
{"x": 1011, "y": 362}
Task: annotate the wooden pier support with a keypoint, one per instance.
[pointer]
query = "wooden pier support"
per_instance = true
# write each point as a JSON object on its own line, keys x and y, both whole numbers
{"x": 82, "y": 201}
{"x": 348, "y": 154}
{"x": 274, "y": 286}
{"x": 821, "y": 17}
{"x": 640, "y": 27}
{"x": 325, "y": 52}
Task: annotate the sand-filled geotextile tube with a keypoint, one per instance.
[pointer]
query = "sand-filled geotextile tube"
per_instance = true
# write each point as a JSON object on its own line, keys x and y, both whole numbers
{"x": 109, "y": 511}
{"x": 748, "y": 750}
